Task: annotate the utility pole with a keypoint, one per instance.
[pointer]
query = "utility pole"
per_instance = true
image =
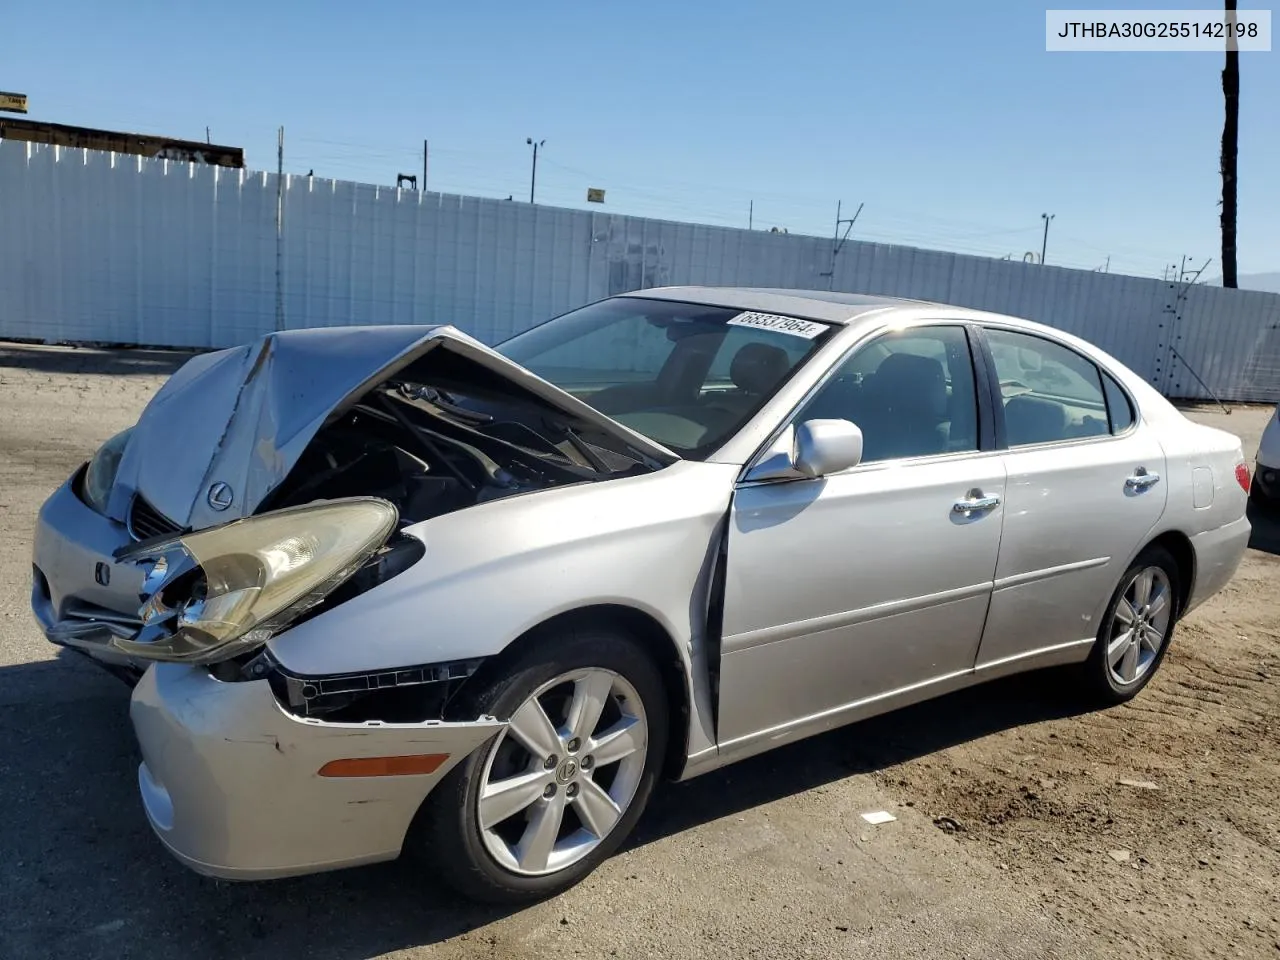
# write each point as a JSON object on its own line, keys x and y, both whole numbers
{"x": 1044, "y": 245}
{"x": 206, "y": 135}
{"x": 424, "y": 166}
{"x": 1229, "y": 162}
{"x": 751, "y": 214}
{"x": 533, "y": 177}
{"x": 280, "y": 230}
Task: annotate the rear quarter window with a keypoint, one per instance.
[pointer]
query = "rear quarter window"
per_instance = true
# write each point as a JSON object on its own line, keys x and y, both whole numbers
{"x": 1119, "y": 408}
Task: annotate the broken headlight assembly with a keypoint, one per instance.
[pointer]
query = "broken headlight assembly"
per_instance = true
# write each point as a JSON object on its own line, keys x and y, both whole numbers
{"x": 213, "y": 594}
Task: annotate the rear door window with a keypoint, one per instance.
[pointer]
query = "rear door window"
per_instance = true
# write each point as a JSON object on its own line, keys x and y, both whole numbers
{"x": 1050, "y": 393}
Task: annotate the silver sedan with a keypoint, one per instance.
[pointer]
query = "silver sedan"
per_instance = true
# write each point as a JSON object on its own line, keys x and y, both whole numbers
{"x": 386, "y": 590}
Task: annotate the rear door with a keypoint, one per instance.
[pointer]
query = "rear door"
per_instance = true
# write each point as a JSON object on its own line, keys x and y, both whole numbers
{"x": 850, "y": 588}
{"x": 1085, "y": 486}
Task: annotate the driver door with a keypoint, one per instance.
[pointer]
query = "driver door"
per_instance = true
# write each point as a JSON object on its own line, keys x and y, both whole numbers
{"x": 868, "y": 587}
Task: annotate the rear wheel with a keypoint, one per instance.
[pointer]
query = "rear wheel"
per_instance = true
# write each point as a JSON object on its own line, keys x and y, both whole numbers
{"x": 560, "y": 788}
{"x": 1136, "y": 628}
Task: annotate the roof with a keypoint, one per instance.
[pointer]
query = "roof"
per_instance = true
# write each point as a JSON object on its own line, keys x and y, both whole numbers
{"x": 832, "y": 307}
{"x": 143, "y": 145}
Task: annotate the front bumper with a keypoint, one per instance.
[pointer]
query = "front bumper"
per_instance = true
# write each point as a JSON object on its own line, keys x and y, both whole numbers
{"x": 80, "y": 595}
{"x": 230, "y": 780}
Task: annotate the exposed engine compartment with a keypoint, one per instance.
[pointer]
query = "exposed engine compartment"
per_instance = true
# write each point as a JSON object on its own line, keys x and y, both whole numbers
{"x": 429, "y": 451}
{"x": 440, "y": 434}
{"x": 363, "y": 455}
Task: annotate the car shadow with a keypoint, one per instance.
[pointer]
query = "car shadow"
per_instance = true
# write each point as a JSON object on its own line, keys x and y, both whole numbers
{"x": 84, "y": 875}
{"x": 109, "y": 362}
{"x": 1265, "y": 521}
{"x": 866, "y": 747}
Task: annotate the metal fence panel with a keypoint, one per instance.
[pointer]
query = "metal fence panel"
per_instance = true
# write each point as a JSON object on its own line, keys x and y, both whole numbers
{"x": 101, "y": 247}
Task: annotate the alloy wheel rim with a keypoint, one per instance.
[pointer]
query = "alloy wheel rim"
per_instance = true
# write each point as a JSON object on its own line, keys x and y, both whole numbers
{"x": 1139, "y": 625}
{"x": 563, "y": 773}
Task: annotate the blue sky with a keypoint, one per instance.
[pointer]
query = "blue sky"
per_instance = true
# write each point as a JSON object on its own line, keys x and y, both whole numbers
{"x": 948, "y": 120}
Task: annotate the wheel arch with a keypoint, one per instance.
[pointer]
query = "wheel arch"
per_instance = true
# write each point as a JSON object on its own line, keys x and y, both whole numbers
{"x": 635, "y": 623}
{"x": 1179, "y": 546}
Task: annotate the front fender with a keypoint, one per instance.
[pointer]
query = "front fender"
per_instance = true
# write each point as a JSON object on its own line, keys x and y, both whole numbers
{"x": 492, "y": 572}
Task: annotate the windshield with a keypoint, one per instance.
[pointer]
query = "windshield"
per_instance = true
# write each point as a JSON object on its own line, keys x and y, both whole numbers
{"x": 685, "y": 375}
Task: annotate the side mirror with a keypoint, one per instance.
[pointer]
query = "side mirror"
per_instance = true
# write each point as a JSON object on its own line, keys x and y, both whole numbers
{"x": 826, "y": 446}
{"x": 812, "y": 449}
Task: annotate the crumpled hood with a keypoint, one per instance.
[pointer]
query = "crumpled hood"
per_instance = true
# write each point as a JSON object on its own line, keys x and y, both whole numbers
{"x": 228, "y": 427}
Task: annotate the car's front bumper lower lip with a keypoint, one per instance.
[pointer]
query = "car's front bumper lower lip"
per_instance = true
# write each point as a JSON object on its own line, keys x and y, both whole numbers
{"x": 230, "y": 780}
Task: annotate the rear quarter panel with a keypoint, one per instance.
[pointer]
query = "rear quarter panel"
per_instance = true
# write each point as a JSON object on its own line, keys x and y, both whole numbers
{"x": 1205, "y": 501}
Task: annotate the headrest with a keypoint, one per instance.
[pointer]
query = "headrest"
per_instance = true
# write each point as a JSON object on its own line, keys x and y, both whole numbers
{"x": 1033, "y": 420}
{"x": 758, "y": 367}
{"x": 905, "y": 382}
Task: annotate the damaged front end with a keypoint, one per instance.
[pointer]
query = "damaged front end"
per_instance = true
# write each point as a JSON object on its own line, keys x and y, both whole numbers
{"x": 211, "y": 595}
{"x": 267, "y": 483}
{"x": 407, "y": 695}
{"x": 215, "y": 598}
{"x": 425, "y": 417}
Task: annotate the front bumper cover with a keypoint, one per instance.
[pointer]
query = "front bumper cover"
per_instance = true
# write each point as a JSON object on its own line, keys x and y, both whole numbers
{"x": 80, "y": 595}
{"x": 230, "y": 781}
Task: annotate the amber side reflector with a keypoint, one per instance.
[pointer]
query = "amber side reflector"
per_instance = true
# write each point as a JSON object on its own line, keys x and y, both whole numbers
{"x": 384, "y": 766}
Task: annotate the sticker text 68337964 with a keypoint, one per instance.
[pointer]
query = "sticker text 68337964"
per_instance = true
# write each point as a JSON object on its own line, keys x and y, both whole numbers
{"x": 769, "y": 321}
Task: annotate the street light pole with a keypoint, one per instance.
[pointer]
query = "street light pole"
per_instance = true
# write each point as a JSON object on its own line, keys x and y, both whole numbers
{"x": 533, "y": 177}
{"x": 1045, "y": 245}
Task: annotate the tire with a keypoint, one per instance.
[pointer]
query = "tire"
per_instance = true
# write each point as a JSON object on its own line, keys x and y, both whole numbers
{"x": 503, "y": 864}
{"x": 1113, "y": 658}
{"x": 1259, "y": 497}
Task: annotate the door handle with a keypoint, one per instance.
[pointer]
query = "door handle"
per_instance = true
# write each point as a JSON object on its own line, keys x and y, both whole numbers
{"x": 974, "y": 504}
{"x": 1141, "y": 480}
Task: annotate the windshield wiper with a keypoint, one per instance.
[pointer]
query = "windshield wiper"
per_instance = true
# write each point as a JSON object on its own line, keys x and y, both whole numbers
{"x": 427, "y": 443}
{"x": 444, "y": 401}
{"x": 584, "y": 448}
{"x": 567, "y": 468}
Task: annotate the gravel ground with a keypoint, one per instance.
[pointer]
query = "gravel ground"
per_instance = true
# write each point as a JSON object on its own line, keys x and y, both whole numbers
{"x": 1025, "y": 828}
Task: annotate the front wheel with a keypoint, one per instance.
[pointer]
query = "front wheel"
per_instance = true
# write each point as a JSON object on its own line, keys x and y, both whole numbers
{"x": 560, "y": 788}
{"x": 1136, "y": 628}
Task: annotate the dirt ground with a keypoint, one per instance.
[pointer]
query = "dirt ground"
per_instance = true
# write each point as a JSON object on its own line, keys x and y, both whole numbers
{"x": 1025, "y": 826}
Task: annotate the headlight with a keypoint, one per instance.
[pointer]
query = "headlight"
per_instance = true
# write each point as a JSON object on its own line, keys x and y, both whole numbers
{"x": 213, "y": 594}
{"x": 101, "y": 475}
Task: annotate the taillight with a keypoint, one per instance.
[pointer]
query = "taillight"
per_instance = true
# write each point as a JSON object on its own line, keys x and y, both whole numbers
{"x": 1242, "y": 476}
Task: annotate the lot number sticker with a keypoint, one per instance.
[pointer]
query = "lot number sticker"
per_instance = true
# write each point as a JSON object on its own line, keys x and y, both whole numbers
{"x": 769, "y": 321}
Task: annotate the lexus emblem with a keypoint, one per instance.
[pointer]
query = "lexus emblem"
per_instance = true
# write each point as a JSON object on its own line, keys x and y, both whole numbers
{"x": 220, "y": 495}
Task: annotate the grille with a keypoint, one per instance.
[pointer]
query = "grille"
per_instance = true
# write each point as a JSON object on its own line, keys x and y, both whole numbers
{"x": 146, "y": 522}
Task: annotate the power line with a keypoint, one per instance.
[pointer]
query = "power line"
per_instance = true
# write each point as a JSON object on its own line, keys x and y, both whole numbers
{"x": 717, "y": 204}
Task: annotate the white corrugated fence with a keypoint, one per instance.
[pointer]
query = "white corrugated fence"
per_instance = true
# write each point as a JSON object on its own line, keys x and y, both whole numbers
{"x": 107, "y": 248}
